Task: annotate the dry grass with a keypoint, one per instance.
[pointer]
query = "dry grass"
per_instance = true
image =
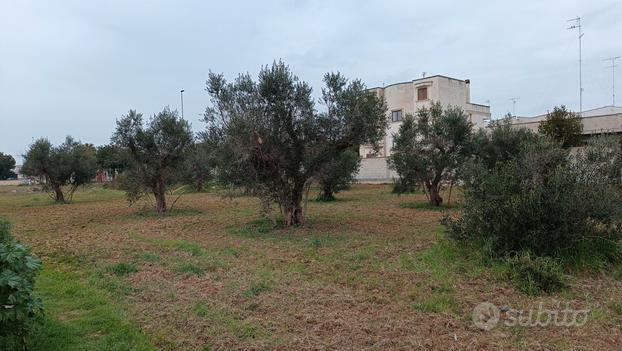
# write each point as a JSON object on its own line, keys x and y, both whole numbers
{"x": 367, "y": 272}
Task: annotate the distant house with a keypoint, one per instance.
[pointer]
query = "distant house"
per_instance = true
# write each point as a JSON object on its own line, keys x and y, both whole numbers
{"x": 406, "y": 98}
{"x": 602, "y": 120}
{"x": 18, "y": 171}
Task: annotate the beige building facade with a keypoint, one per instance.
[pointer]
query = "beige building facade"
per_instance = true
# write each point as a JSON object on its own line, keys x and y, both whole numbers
{"x": 602, "y": 120}
{"x": 408, "y": 97}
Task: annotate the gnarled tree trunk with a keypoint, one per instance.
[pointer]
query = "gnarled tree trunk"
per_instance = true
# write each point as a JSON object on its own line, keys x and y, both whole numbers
{"x": 160, "y": 196}
{"x": 58, "y": 193}
{"x": 293, "y": 212}
{"x": 434, "y": 193}
{"x": 293, "y": 215}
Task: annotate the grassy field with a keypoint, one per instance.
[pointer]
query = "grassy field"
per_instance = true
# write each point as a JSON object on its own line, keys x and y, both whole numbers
{"x": 370, "y": 271}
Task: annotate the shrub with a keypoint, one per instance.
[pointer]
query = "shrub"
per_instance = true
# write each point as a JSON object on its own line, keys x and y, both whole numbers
{"x": 533, "y": 275}
{"x": 19, "y": 308}
{"x": 544, "y": 202}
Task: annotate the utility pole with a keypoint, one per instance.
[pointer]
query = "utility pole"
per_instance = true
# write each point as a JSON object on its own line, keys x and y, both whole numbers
{"x": 182, "y": 102}
{"x": 514, "y": 99}
{"x": 613, "y": 77}
{"x": 577, "y": 25}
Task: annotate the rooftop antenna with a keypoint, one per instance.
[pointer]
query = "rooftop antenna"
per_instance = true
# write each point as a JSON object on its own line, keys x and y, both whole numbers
{"x": 577, "y": 25}
{"x": 613, "y": 76}
{"x": 514, "y": 99}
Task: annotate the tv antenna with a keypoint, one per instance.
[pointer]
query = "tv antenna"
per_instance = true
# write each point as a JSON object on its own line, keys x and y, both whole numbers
{"x": 613, "y": 77}
{"x": 514, "y": 99}
{"x": 577, "y": 25}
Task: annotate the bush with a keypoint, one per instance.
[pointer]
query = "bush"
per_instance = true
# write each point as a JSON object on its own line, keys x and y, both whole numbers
{"x": 19, "y": 308}
{"x": 533, "y": 275}
{"x": 544, "y": 202}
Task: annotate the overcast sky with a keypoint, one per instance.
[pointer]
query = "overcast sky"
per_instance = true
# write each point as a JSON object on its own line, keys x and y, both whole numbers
{"x": 74, "y": 67}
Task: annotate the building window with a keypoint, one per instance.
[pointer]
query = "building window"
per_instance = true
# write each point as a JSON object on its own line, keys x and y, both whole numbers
{"x": 422, "y": 93}
{"x": 396, "y": 116}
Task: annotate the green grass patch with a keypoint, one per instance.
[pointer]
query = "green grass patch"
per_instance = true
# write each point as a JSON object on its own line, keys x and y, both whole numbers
{"x": 189, "y": 268}
{"x": 225, "y": 321}
{"x": 262, "y": 227}
{"x": 81, "y": 317}
{"x": 150, "y": 213}
{"x": 533, "y": 275}
{"x": 256, "y": 288}
{"x": 440, "y": 301}
{"x": 180, "y": 245}
{"x": 425, "y": 205}
{"x": 122, "y": 269}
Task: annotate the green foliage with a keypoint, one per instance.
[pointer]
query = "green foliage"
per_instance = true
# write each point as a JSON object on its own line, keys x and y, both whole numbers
{"x": 534, "y": 275}
{"x": 19, "y": 308}
{"x": 7, "y": 164}
{"x": 603, "y": 156}
{"x": 199, "y": 165}
{"x": 71, "y": 164}
{"x": 563, "y": 126}
{"x": 429, "y": 150}
{"x": 501, "y": 143}
{"x": 156, "y": 153}
{"x": 545, "y": 202}
{"x": 272, "y": 140}
{"x": 338, "y": 174}
{"x": 112, "y": 158}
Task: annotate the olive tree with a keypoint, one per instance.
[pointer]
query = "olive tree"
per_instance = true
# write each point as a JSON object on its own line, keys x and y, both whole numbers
{"x": 70, "y": 165}
{"x": 156, "y": 152}
{"x": 112, "y": 158}
{"x": 429, "y": 149}
{"x": 273, "y": 141}
{"x": 7, "y": 164}
{"x": 500, "y": 143}
{"x": 562, "y": 125}
{"x": 199, "y": 165}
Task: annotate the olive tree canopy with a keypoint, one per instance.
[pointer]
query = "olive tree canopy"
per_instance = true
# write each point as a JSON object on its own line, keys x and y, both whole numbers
{"x": 272, "y": 139}
{"x": 156, "y": 153}
{"x": 71, "y": 164}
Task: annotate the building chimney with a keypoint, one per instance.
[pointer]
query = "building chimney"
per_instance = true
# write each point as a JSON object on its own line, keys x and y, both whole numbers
{"x": 467, "y": 82}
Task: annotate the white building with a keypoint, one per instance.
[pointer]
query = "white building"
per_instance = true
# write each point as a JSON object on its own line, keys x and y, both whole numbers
{"x": 406, "y": 98}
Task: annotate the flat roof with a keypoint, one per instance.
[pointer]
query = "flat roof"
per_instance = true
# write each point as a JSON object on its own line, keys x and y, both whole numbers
{"x": 422, "y": 78}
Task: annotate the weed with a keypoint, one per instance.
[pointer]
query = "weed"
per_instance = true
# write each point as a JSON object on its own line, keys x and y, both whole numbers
{"x": 122, "y": 268}
{"x": 533, "y": 275}
{"x": 256, "y": 288}
{"x": 189, "y": 268}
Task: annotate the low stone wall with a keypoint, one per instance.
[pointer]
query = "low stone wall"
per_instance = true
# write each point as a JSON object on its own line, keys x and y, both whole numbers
{"x": 10, "y": 182}
{"x": 375, "y": 170}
